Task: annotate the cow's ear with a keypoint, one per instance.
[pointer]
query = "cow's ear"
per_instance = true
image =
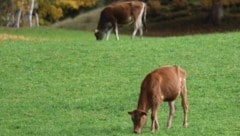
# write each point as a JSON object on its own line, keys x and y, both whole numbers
{"x": 130, "y": 112}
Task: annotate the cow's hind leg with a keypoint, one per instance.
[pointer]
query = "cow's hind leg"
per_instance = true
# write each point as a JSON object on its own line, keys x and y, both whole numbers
{"x": 184, "y": 103}
{"x": 137, "y": 26}
{"x": 135, "y": 30}
{"x": 172, "y": 110}
{"x": 141, "y": 32}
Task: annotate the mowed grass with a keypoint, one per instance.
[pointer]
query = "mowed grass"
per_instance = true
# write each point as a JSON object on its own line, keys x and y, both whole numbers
{"x": 60, "y": 82}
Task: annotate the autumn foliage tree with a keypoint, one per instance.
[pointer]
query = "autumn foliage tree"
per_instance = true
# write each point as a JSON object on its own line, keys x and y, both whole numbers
{"x": 48, "y": 10}
{"x": 53, "y": 10}
{"x": 17, "y": 11}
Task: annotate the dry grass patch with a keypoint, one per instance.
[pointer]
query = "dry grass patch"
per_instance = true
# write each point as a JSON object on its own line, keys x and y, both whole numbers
{"x": 13, "y": 37}
{"x": 4, "y": 37}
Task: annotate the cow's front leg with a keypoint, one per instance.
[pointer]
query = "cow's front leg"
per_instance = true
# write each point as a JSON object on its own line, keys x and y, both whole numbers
{"x": 155, "y": 124}
{"x": 108, "y": 33}
{"x": 116, "y": 33}
{"x": 115, "y": 27}
{"x": 154, "y": 118}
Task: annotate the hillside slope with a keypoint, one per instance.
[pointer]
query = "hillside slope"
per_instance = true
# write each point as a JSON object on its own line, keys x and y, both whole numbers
{"x": 86, "y": 21}
{"x": 158, "y": 25}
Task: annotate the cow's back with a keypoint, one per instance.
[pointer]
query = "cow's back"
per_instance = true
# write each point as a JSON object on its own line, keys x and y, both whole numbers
{"x": 123, "y": 11}
{"x": 164, "y": 82}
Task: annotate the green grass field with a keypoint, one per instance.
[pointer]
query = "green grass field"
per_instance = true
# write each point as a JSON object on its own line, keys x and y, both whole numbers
{"x": 60, "y": 82}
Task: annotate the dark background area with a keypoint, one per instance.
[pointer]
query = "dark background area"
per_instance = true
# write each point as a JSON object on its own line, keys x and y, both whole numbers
{"x": 164, "y": 17}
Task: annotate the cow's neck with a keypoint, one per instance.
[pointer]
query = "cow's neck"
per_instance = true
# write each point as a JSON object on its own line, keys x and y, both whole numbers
{"x": 143, "y": 102}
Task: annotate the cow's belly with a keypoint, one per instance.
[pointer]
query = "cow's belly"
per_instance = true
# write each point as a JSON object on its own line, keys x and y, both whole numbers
{"x": 128, "y": 20}
{"x": 170, "y": 94}
{"x": 169, "y": 99}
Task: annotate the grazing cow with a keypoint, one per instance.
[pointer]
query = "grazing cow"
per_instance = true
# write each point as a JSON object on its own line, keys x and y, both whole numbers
{"x": 121, "y": 13}
{"x": 163, "y": 84}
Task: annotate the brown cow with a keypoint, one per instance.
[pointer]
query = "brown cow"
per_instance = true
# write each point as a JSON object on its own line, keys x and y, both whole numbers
{"x": 163, "y": 84}
{"x": 121, "y": 13}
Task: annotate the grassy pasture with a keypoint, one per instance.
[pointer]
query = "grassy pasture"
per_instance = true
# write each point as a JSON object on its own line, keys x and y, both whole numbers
{"x": 61, "y": 82}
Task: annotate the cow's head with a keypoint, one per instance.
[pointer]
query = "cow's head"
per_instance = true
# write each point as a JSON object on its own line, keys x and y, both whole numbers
{"x": 139, "y": 119}
{"x": 99, "y": 34}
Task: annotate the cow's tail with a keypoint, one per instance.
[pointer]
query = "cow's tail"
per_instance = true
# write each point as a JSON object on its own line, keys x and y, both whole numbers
{"x": 144, "y": 17}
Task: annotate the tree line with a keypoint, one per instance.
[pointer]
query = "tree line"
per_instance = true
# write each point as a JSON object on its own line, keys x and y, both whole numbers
{"x": 16, "y": 13}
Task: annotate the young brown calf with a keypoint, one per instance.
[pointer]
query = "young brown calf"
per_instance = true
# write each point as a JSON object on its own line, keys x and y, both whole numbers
{"x": 163, "y": 84}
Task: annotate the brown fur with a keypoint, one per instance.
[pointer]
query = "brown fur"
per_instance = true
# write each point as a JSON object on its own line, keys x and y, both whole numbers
{"x": 163, "y": 84}
{"x": 121, "y": 13}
